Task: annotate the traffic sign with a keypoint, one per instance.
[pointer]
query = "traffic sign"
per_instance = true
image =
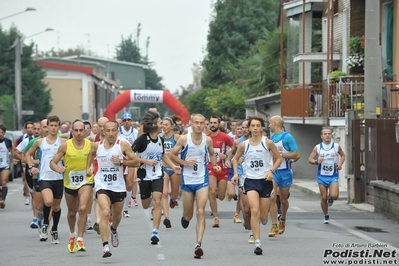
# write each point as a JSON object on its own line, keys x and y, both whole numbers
{"x": 27, "y": 112}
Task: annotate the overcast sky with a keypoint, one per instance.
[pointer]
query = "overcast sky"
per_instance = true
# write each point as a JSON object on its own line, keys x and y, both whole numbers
{"x": 177, "y": 29}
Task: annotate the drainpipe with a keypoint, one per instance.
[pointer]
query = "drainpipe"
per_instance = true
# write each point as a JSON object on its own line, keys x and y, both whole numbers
{"x": 282, "y": 18}
{"x": 372, "y": 64}
{"x": 303, "y": 63}
{"x": 329, "y": 50}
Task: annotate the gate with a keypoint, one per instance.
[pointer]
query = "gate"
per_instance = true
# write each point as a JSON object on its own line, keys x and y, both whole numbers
{"x": 374, "y": 155}
{"x": 358, "y": 161}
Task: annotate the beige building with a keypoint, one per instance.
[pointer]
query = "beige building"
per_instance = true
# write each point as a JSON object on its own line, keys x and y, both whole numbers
{"x": 78, "y": 92}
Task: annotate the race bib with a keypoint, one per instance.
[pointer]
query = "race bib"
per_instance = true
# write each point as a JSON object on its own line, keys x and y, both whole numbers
{"x": 168, "y": 146}
{"x": 196, "y": 167}
{"x": 256, "y": 164}
{"x": 217, "y": 151}
{"x": 327, "y": 167}
{"x": 77, "y": 178}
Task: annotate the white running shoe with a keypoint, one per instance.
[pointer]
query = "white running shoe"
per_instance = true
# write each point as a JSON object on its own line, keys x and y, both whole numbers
{"x": 43, "y": 233}
{"x": 114, "y": 239}
{"x": 106, "y": 252}
{"x": 258, "y": 249}
{"x": 88, "y": 225}
{"x": 126, "y": 214}
{"x": 27, "y": 200}
{"x": 326, "y": 219}
{"x": 54, "y": 237}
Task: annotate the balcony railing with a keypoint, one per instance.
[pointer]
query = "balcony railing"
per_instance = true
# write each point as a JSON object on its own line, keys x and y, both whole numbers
{"x": 346, "y": 93}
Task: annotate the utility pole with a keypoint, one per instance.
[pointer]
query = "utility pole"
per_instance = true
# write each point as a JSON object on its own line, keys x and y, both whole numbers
{"x": 138, "y": 35}
{"x": 372, "y": 66}
{"x": 18, "y": 91}
{"x": 18, "y": 80}
{"x": 146, "y": 47}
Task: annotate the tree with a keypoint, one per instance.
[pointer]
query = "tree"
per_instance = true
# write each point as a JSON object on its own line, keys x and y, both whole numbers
{"x": 79, "y": 50}
{"x": 260, "y": 72}
{"x": 34, "y": 94}
{"x": 7, "y": 103}
{"x": 227, "y": 101}
{"x": 236, "y": 25}
{"x": 128, "y": 51}
{"x": 196, "y": 102}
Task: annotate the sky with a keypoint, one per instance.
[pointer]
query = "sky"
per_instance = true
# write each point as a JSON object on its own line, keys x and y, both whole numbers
{"x": 177, "y": 29}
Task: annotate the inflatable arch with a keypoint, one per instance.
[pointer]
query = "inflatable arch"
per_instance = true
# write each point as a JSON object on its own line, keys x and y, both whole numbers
{"x": 147, "y": 96}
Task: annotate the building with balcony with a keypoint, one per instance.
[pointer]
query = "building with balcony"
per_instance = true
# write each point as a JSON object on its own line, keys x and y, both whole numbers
{"x": 321, "y": 87}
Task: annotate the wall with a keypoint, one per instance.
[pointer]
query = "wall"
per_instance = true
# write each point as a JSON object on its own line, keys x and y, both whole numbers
{"x": 386, "y": 198}
{"x": 71, "y": 92}
{"x": 273, "y": 109}
{"x": 396, "y": 40}
{"x": 307, "y": 137}
{"x": 128, "y": 75}
{"x": 357, "y": 17}
{"x": 66, "y": 98}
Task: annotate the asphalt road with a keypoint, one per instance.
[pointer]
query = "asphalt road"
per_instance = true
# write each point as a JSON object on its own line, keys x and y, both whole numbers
{"x": 305, "y": 241}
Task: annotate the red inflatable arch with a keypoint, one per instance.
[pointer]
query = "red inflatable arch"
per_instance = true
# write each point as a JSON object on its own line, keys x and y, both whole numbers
{"x": 147, "y": 96}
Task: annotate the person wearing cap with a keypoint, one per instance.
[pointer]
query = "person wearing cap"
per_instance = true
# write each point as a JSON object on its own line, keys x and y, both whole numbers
{"x": 128, "y": 132}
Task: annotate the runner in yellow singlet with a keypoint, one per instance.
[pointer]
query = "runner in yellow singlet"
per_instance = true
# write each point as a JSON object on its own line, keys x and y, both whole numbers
{"x": 78, "y": 186}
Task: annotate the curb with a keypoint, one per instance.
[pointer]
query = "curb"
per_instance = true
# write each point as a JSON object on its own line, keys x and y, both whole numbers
{"x": 305, "y": 189}
{"x": 342, "y": 196}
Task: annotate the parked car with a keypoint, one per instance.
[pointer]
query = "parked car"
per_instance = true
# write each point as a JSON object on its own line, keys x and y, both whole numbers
{"x": 15, "y": 170}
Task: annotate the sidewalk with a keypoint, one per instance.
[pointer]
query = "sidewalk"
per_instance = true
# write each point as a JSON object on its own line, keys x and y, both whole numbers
{"x": 311, "y": 187}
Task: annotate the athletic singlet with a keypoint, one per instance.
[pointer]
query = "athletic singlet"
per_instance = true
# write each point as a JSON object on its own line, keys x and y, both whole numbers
{"x": 153, "y": 151}
{"x": 329, "y": 153}
{"x": 258, "y": 159}
{"x": 168, "y": 144}
{"x": 194, "y": 175}
{"x": 286, "y": 163}
{"x": 34, "y": 156}
{"x": 48, "y": 151}
{"x": 76, "y": 162}
{"x": 130, "y": 135}
{"x": 240, "y": 169}
{"x": 5, "y": 146}
{"x": 220, "y": 143}
{"x": 109, "y": 176}
{"x": 22, "y": 145}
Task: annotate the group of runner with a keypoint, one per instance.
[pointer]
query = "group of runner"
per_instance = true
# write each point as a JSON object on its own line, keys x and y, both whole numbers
{"x": 201, "y": 161}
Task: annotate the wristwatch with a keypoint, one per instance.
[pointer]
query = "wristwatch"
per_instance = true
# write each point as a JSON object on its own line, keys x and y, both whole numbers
{"x": 30, "y": 166}
{"x": 316, "y": 162}
{"x": 121, "y": 162}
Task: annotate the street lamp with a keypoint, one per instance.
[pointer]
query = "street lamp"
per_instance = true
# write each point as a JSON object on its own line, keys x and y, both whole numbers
{"x": 18, "y": 91}
{"x": 26, "y": 10}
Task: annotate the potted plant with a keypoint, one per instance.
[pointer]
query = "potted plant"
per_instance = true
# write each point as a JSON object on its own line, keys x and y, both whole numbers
{"x": 336, "y": 74}
{"x": 355, "y": 61}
